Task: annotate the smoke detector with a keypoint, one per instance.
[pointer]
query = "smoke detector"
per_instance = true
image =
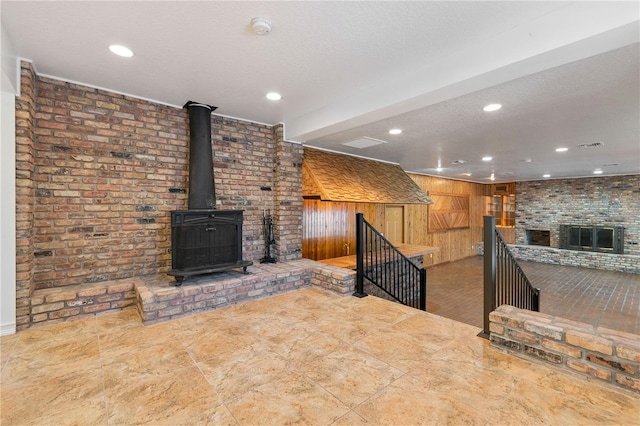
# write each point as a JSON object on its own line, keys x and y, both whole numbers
{"x": 260, "y": 26}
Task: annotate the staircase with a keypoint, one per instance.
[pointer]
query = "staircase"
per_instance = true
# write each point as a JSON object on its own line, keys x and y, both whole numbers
{"x": 383, "y": 268}
{"x": 504, "y": 281}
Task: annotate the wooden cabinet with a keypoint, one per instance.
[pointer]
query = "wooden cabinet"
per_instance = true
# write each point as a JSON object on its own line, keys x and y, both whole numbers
{"x": 503, "y": 208}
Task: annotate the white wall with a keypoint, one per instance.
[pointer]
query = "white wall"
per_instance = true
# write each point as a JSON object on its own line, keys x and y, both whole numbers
{"x": 8, "y": 188}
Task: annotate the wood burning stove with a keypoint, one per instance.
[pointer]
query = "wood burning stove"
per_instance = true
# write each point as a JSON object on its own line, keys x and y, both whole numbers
{"x": 203, "y": 239}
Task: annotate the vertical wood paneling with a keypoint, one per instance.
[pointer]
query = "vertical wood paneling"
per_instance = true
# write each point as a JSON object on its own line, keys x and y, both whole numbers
{"x": 328, "y": 226}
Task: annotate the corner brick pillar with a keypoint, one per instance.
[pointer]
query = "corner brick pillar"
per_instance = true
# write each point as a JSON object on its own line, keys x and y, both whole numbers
{"x": 25, "y": 194}
{"x": 287, "y": 226}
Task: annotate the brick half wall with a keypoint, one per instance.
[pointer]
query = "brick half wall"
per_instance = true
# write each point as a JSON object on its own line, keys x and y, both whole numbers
{"x": 608, "y": 355}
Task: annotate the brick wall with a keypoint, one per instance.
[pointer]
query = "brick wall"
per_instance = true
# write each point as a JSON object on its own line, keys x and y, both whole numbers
{"x": 99, "y": 172}
{"x": 25, "y": 191}
{"x": 607, "y": 355}
{"x": 608, "y": 200}
{"x": 288, "y": 198}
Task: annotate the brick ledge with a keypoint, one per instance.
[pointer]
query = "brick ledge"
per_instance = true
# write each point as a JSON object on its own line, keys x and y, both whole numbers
{"x": 608, "y": 355}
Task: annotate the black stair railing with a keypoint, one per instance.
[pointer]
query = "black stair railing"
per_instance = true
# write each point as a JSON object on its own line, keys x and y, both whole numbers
{"x": 384, "y": 266}
{"x": 504, "y": 280}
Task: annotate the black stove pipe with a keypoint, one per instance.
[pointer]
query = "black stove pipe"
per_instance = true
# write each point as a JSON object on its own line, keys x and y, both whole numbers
{"x": 202, "y": 193}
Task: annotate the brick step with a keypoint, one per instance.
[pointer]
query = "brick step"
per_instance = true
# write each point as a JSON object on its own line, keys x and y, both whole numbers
{"x": 61, "y": 303}
{"x": 158, "y": 299}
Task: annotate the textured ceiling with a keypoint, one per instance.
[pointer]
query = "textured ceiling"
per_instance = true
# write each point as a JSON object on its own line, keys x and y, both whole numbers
{"x": 566, "y": 73}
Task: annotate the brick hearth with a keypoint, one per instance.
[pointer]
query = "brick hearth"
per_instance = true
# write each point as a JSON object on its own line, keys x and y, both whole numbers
{"x": 158, "y": 299}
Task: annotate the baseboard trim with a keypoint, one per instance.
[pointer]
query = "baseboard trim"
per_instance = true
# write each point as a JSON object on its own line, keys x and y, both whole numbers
{"x": 7, "y": 329}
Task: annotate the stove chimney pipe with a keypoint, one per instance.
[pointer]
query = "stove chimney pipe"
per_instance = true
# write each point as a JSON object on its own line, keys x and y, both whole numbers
{"x": 202, "y": 193}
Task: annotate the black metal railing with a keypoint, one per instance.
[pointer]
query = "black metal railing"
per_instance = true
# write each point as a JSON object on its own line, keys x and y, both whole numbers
{"x": 504, "y": 280}
{"x": 385, "y": 267}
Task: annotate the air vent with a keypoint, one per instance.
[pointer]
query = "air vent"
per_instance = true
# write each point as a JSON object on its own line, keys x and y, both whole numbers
{"x": 591, "y": 145}
{"x": 610, "y": 164}
{"x": 364, "y": 142}
{"x": 454, "y": 162}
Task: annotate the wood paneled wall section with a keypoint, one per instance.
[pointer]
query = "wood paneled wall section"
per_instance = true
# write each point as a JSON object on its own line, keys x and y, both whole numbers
{"x": 454, "y": 244}
{"x": 328, "y": 226}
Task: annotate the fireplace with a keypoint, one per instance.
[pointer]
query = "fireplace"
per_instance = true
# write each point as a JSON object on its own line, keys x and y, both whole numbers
{"x": 203, "y": 239}
{"x": 608, "y": 239}
{"x": 538, "y": 237}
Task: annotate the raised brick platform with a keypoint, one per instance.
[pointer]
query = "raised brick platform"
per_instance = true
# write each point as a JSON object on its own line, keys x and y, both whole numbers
{"x": 158, "y": 298}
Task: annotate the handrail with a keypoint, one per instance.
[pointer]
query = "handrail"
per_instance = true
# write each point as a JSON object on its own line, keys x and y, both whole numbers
{"x": 504, "y": 280}
{"x": 383, "y": 265}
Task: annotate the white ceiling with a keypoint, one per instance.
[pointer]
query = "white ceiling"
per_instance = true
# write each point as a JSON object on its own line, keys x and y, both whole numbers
{"x": 567, "y": 74}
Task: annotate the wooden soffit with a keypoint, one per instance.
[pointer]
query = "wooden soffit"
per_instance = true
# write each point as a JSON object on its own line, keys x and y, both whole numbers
{"x": 338, "y": 177}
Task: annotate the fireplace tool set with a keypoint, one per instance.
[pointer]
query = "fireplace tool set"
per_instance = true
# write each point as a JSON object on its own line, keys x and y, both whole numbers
{"x": 267, "y": 223}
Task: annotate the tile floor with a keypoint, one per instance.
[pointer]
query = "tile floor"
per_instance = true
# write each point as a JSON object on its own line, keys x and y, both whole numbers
{"x": 306, "y": 357}
{"x": 601, "y": 298}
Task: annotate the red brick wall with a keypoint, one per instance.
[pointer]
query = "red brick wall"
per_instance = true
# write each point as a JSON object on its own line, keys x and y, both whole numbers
{"x": 287, "y": 223}
{"x": 109, "y": 168}
{"x": 25, "y": 261}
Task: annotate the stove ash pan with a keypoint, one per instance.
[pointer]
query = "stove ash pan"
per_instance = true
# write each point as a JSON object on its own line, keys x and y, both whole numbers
{"x": 205, "y": 241}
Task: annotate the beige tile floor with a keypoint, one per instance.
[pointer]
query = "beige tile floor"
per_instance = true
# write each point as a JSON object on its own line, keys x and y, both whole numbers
{"x": 306, "y": 357}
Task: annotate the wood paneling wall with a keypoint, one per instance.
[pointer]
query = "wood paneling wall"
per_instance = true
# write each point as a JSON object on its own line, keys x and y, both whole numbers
{"x": 329, "y": 227}
{"x": 454, "y": 244}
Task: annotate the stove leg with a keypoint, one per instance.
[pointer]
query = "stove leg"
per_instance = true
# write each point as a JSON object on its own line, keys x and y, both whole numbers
{"x": 179, "y": 281}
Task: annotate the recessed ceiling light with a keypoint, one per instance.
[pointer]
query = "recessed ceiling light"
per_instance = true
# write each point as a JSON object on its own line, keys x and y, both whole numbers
{"x": 273, "y": 96}
{"x": 562, "y": 149}
{"x": 439, "y": 169}
{"x": 546, "y": 175}
{"x": 395, "y": 131}
{"x": 121, "y": 50}
{"x": 492, "y": 107}
{"x": 487, "y": 158}
{"x": 466, "y": 174}
{"x": 597, "y": 172}
{"x": 492, "y": 177}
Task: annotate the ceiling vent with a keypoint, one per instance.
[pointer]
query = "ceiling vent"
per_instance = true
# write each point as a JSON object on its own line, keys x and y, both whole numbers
{"x": 591, "y": 145}
{"x": 455, "y": 162}
{"x": 364, "y": 142}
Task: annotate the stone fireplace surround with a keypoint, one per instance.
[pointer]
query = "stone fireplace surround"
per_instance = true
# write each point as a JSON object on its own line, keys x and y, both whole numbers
{"x": 598, "y": 201}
